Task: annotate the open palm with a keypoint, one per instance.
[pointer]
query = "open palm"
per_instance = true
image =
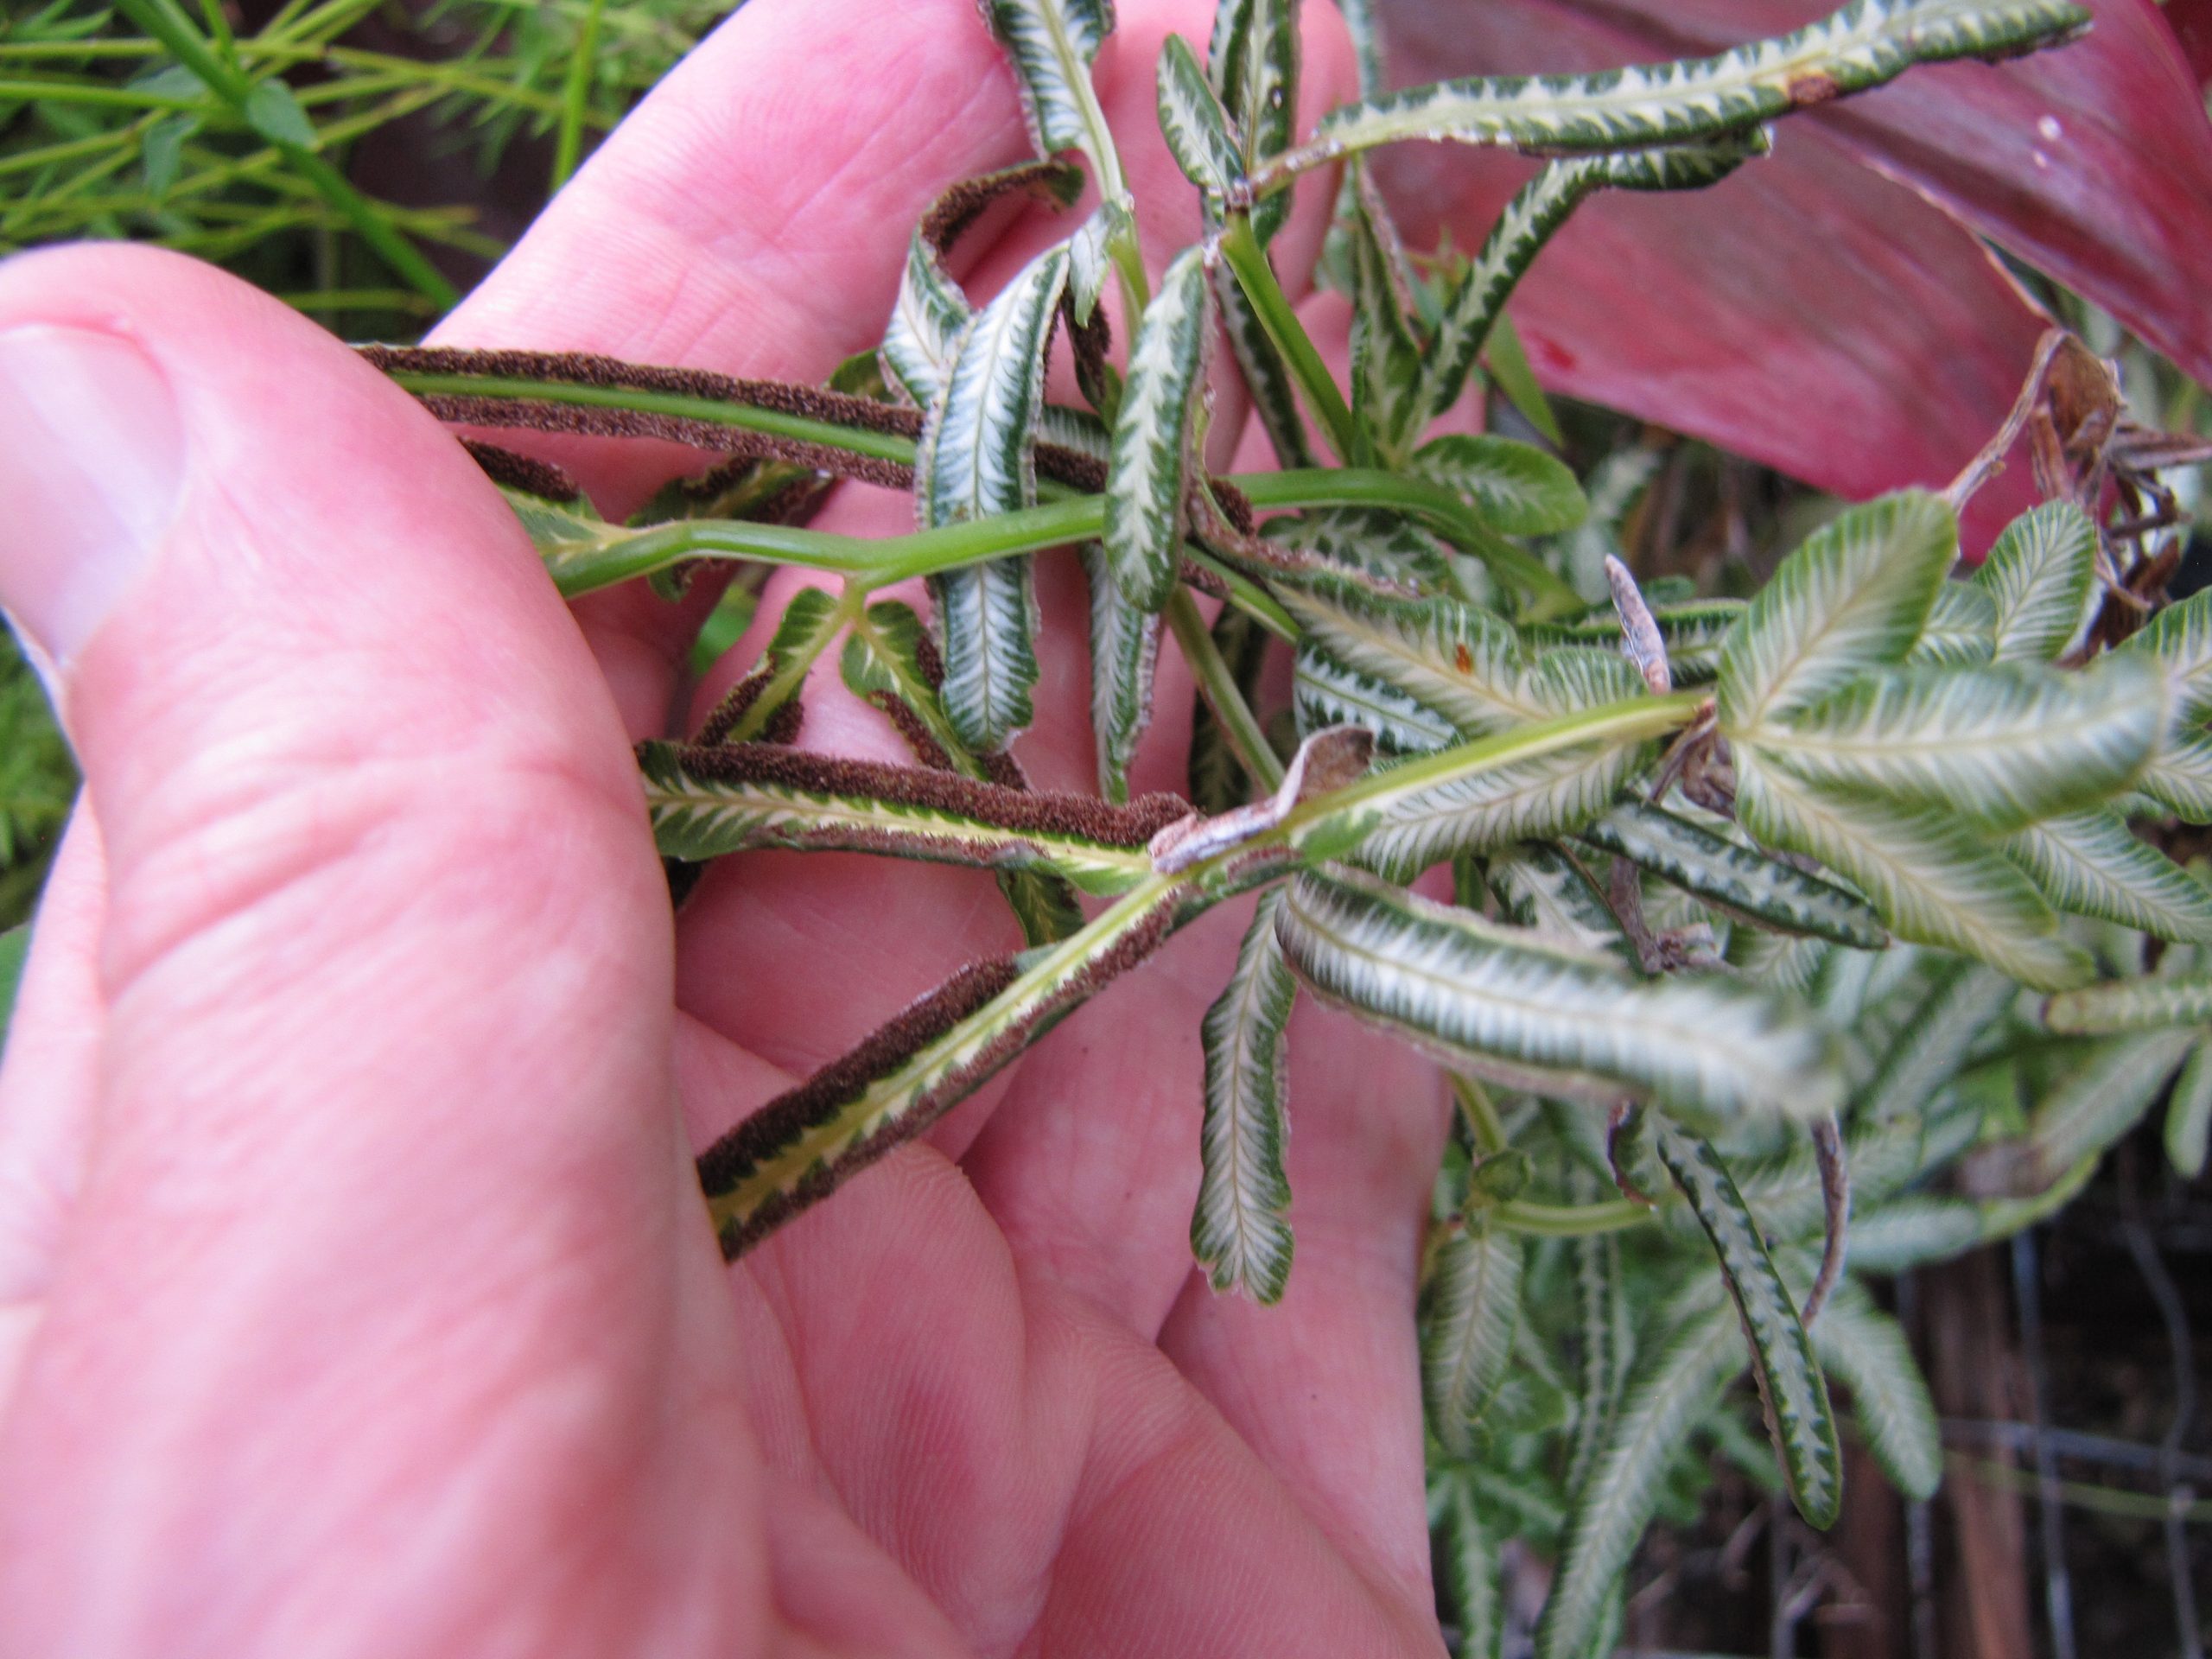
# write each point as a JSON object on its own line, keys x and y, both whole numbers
{"x": 355, "y": 1291}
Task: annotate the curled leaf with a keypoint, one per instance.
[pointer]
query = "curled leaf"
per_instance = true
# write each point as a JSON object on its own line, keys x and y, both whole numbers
{"x": 1325, "y": 762}
{"x": 1053, "y": 44}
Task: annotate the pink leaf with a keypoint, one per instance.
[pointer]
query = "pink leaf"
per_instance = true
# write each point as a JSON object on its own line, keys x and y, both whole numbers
{"x": 2093, "y": 163}
{"x": 1811, "y": 314}
{"x": 1806, "y": 312}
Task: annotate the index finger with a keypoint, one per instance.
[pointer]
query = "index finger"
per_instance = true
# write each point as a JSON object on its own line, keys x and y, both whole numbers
{"x": 750, "y": 218}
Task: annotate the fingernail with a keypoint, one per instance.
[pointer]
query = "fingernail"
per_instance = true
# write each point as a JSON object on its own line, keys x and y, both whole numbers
{"x": 92, "y": 466}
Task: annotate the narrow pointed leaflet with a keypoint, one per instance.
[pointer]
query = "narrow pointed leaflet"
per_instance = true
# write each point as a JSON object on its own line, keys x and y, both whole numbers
{"x": 975, "y": 461}
{"x": 1154, "y": 439}
{"x": 1240, "y": 1230}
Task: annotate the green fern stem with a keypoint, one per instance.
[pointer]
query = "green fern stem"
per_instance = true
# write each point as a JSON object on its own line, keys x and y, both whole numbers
{"x": 1439, "y": 508}
{"x": 1485, "y": 1126}
{"x": 1247, "y": 262}
{"x": 1217, "y": 685}
{"x": 1569, "y": 1220}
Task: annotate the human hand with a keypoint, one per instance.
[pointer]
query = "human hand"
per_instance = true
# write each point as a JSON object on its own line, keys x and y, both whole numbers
{"x": 355, "y": 1290}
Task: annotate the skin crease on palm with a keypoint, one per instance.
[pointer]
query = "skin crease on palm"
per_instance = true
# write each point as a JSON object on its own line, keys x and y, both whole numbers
{"x": 355, "y": 1292}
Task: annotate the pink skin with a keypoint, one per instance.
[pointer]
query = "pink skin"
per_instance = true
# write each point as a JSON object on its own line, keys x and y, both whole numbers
{"x": 355, "y": 1292}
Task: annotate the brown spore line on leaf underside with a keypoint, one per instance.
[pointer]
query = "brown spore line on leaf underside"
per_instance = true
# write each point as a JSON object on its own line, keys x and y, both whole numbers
{"x": 524, "y": 472}
{"x": 955, "y": 213}
{"x": 544, "y": 415}
{"x": 881, "y": 1052}
{"x": 1081, "y": 816}
{"x": 820, "y": 1098}
{"x": 913, "y": 728}
{"x": 584, "y": 369}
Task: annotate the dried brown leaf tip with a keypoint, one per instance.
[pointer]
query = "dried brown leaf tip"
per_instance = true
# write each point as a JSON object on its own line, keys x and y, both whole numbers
{"x": 1640, "y": 640}
{"x": 1325, "y": 763}
{"x": 586, "y": 369}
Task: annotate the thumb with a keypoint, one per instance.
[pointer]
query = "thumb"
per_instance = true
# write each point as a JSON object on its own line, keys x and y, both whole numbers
{"x": 383, "y": 1232}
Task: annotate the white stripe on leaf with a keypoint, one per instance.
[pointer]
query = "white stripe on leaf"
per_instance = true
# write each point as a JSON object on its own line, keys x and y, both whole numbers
{"x": 1240, "y": 1231}
{"x": 1470, "y": 989}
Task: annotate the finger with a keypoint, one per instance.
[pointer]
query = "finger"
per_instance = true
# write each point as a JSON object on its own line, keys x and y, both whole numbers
{"x": 382, "y": 1240}
{"x": 750, "y": 218}
{"x": 752, "y": 215}
{"x": 47, "y": 1084}
{"x": 1325, "y": 1386}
